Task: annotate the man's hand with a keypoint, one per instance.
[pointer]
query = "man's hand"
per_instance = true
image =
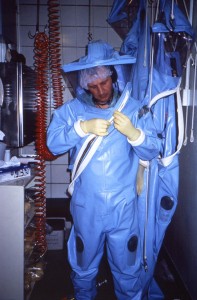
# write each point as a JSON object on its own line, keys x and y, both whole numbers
{"x": 95, "y": 126}
{"x": 123, "y": 124}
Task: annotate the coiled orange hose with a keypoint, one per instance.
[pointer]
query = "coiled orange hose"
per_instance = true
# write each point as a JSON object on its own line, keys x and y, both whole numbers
{"x": 47, "y": 52}
{"x": 41, "y": 69}
{"x": 41, "y": 47}
{"x": 55, "y": 52}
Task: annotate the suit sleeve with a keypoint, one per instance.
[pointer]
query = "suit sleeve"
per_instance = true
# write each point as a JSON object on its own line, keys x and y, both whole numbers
{"x": 64, "y": 130}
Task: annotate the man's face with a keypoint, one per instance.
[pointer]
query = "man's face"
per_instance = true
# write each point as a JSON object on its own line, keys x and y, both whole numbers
{"x": 101, "y": 89}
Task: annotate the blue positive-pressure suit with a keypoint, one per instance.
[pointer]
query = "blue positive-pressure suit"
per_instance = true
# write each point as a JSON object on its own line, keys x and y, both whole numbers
{"x": 104, "y": 201}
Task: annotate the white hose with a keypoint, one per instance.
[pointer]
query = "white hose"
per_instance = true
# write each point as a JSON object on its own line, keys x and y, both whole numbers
{"x": 187, "y": 97}
{"x": 146, "y": 220}
{"x": 193, "y": 101}
{"x": 167, "y": 160}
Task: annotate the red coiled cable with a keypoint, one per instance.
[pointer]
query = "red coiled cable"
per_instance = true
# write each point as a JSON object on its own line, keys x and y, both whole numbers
{"x": 47, "y": 53}
{"x": 41, "y": 69}
{"x": 55, "y": 52}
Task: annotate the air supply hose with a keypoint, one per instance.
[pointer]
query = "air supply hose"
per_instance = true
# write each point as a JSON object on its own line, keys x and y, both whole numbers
{"x": 42, "y": 153}
{"x": 47, "y": 53}
{"x": 55, "y": 52}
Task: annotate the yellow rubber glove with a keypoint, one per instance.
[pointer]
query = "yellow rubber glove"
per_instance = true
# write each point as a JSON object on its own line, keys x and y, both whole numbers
{"x": 95, "y": 126}
{"x": 123, "y": 124}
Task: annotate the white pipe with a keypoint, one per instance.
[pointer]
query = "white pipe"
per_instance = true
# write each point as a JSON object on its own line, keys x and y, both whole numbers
{"x": 193, "y": 101}
{"x": 186, "y": 93}
{"x": 191, "y": 12}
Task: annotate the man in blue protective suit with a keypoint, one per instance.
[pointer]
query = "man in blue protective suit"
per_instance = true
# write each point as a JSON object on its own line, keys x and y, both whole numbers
{"x": 104, "y": 194}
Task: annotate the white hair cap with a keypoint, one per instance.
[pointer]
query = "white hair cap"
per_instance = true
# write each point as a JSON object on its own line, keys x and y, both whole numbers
{"x": 89, "y": 75}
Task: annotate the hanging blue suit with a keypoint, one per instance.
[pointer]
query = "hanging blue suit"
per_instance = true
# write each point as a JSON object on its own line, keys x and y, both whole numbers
{"x": 156, "y": 84}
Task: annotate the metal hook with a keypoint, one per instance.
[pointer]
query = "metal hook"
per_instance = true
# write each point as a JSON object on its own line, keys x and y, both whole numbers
{"x": 37, "y": 23}
{"x": 90, "y": 35}
{"x": 45, "y": 28}
{"x": 31, "y": 36}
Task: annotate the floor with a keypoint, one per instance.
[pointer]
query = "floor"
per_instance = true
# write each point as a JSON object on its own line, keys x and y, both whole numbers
{"x": 56, "y": 284}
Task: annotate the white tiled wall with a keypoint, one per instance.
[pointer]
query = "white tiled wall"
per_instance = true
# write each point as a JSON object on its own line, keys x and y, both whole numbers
{"x": 74, "y": 20}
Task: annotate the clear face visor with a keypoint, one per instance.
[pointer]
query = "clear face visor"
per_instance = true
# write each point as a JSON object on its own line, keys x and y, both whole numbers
{"x": 89, "y": 75}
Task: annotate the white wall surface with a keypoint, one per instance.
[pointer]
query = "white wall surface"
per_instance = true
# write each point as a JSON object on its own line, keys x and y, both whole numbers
{"x": 74, "y": 21}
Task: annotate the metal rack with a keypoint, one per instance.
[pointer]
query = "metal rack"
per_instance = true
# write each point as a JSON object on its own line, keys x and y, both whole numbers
{"x": 12, "y": 230}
